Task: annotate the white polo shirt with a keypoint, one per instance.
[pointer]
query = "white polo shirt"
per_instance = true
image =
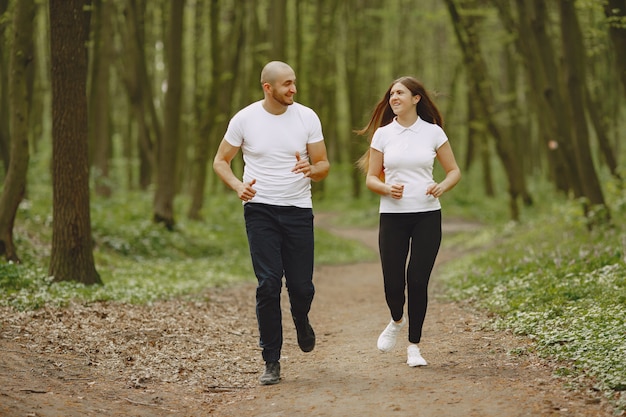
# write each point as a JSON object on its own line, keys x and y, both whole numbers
{"x": 269, "y": 144}
{"x": 408, "y": 157}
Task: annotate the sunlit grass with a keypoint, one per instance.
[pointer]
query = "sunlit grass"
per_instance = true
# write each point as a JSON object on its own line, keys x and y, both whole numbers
{"x": 560, "y": 284}
{"x": 547, "y": 277}
{"x": 140, "y": 261}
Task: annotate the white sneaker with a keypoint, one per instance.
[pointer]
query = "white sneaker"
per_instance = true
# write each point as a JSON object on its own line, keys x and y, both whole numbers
{"x": 387, "y": 339}
{"x": 414, "y": 357}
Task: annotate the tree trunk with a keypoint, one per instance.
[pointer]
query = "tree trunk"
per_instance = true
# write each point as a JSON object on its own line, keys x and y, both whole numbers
{"x": 71, "y": 258}
{"x": 604, "y": 143}
{"x": 216, "y": 105}
{"x": 574, "y": 62}
{"x": 168, "y": 147}
{"x": 482, "y": 91}
{"x": 15, "y": 183}
{"x": 615, "y": 11}
{"x": 138, "y": 85}
{"x": 4, "y": 88}
{"x": 321, "y": 78}
{"x": 99, "y": 132}
{"x": 278, "y": 30}
{"x": 552, "y": 91}
{"x": 201, "y": 88}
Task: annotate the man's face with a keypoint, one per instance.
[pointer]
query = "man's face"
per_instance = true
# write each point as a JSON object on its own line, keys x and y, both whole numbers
{"x": 284, "y": 88}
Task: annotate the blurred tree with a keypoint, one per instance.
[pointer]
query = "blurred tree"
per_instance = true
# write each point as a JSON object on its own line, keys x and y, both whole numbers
{"x": 71, "y": 258}
{"x": 21, "y": 59}
{"x": 99, "y": 95}
{"x": 277, "y": 16}
{"x": 574, "y": 65}
{"x": 213, "y": 109}
{"x": 137, "y": 80}
{"x": 4, "y": 86}
{"x": 615, "y": 11}
{"x": 167, "y": 148}
{"x": 481, "y": 90}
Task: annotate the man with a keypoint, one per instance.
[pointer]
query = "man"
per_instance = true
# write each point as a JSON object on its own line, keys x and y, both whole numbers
{"x": 283, "y": 150}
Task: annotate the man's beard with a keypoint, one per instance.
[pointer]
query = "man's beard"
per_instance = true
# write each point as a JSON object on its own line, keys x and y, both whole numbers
{"x": 281, "y": 99}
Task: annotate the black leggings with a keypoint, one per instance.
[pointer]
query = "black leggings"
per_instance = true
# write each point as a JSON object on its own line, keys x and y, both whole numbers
{"x": 421, "y": 232}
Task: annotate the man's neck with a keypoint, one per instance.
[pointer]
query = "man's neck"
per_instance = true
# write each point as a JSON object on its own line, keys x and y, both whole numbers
{"x": 274, "y": 108}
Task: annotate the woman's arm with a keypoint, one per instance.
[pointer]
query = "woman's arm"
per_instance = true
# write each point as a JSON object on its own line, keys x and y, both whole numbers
{"x": 445, "y": 156}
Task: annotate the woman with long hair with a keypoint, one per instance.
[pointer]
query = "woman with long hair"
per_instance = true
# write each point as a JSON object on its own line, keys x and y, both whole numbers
{"x": 406, "y": 136}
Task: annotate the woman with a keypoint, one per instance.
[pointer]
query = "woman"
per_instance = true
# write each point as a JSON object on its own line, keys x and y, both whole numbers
{"x": 406, "y": 131}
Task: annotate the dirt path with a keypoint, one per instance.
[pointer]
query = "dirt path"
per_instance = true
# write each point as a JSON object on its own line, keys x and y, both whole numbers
{"x": 183, "y": 358}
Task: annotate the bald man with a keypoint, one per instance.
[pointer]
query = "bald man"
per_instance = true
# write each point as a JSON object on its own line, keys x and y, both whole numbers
{"x": 283, "y": 151}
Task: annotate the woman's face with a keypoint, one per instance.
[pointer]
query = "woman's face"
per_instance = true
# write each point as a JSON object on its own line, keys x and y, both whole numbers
{"x": 401, "y": 100}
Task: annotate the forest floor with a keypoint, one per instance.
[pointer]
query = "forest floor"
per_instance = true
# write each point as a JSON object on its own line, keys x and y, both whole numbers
{"x": 200, "y": 358}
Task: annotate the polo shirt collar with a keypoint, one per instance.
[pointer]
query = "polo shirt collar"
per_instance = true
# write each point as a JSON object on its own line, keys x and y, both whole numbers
{"x": 414, "y": 127}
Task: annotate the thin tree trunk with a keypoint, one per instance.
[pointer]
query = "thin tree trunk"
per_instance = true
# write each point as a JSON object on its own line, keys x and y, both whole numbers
{"x": 575, "y": 70}
{"x": 224, "y": 72}
{"x": 552, "y": 92}
{"x": 71, "y": 258}
{"x": 167, "y": 151}
{"x": 201, "y": 103}
{"x": 278, "y": 30}
{"x": 321, "y": 79}
{"x": 138, "y": 85}
{"x": 4, "y": 88}
{"x": 481, "y": 87}
{"x": 615, "y": 11}
{"x": 15, "y": 183}
{"x": 99, "y": 97}
{"x": 601, "y": 128}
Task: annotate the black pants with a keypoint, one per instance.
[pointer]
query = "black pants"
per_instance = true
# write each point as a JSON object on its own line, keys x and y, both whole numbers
{"x": 281, "y": 244}
{"x": 421, "y": 234}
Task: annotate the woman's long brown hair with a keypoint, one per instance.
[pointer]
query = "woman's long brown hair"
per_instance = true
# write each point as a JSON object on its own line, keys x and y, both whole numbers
{"x": 383, "y": 115}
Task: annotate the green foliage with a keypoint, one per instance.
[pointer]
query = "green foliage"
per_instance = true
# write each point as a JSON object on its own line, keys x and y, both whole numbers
{"x": 557, "y": 282}
{"x": 140, "y": 261}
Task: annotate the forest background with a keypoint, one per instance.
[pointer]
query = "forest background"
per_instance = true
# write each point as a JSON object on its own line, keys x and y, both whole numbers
{"x": 111, "y": 112}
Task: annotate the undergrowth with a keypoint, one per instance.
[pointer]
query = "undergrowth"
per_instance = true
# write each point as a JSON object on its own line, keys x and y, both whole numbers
{"x": 140, "y": 261}
{"x": 547, "y": 277}
{"x": 554, "y": 280}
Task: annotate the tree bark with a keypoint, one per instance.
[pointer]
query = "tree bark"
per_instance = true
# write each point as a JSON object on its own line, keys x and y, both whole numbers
{"x": 168, "y": 147}
{"x": 483, "y": 93}
{"x": 615, "y": 11}
{"x": 137, "y": 81}
{"x": 574, "y": 62}
{"x": 99, "y": 96}
{"x": 216, "y": 105}
{"x": 15, "y": 183}
{"x": 202, "y": 86}
{"x": 553, "y": 92}
{"x": 71, "y": 258}
{"x": 4, "y": 88}
{"x": 604, "y": 143}
{"x": 278, "y": 30}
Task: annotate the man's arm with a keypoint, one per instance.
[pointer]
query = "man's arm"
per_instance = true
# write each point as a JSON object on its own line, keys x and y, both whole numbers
{"x": 319, "y": 160}
{"x": 221, "y": 165}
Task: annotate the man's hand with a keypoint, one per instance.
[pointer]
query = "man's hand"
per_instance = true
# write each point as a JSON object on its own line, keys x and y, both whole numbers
{"x": 246, "y": 192}
{"x": 302, "y": 166}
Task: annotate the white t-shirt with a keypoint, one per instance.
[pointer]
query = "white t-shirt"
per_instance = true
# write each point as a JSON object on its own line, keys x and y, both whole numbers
{"x": 269, "y": 144}
{"x": 408, "y": 157}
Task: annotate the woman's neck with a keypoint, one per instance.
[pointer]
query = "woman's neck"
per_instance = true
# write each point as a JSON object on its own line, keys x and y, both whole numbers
{"x": 407, "y": 120}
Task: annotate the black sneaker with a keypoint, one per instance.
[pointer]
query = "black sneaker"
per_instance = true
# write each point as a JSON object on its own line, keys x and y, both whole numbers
{"x": 306, "y": 335}
{"x": 272, "y": 373}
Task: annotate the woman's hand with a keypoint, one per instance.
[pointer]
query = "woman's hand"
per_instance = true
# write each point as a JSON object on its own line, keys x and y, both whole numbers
{"x": 396, "y": 191}
{"x": 436, "y": 190}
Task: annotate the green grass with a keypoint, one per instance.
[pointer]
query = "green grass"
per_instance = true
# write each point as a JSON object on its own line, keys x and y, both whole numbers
{"x": 558, "y": 283}
{"x": 547, "y": 277}
{"x": 140, "y": 261}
